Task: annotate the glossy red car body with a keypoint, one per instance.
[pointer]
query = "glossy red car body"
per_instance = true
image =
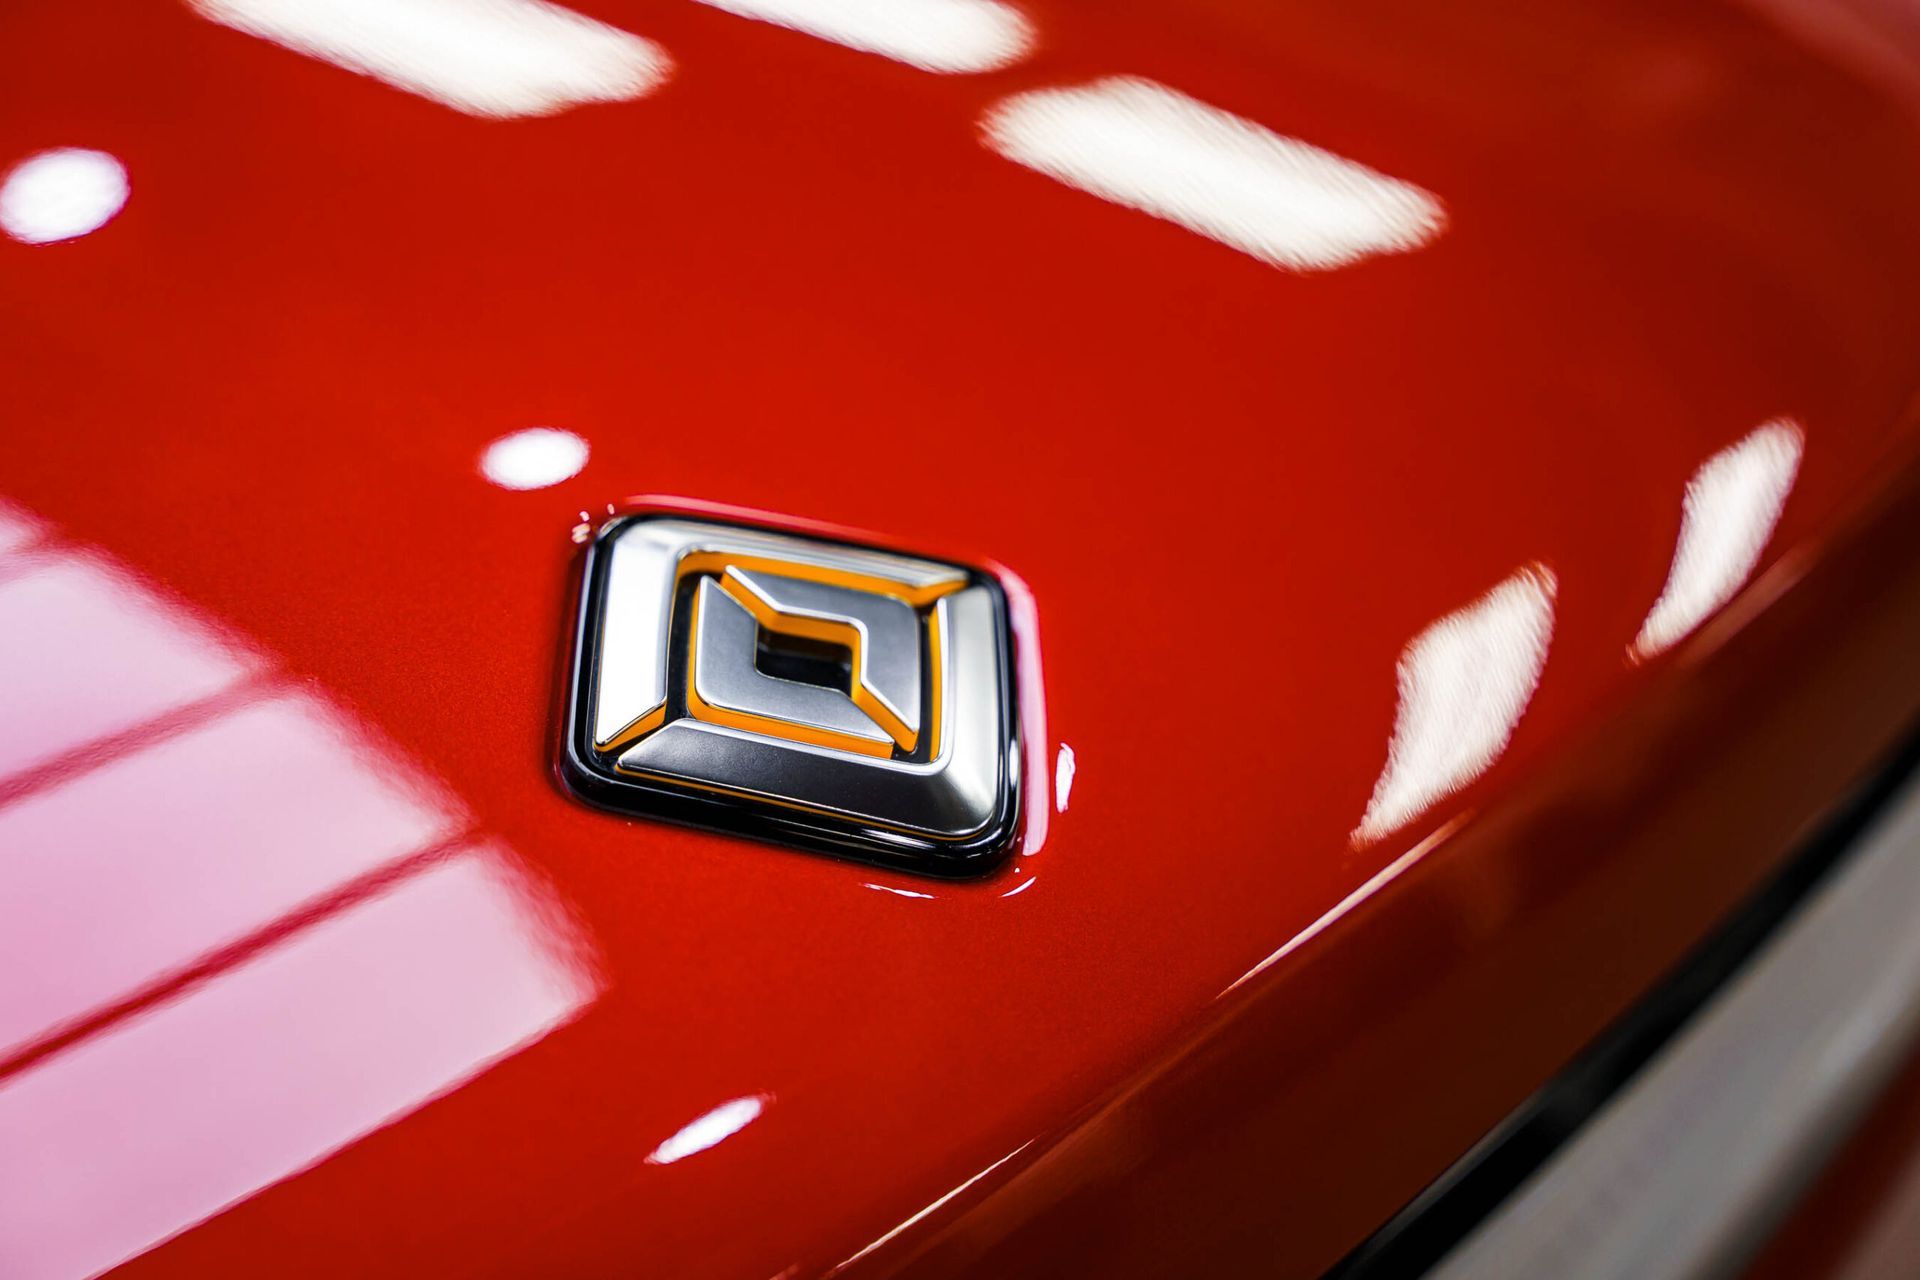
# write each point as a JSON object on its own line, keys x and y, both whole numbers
{"x": 792, "y": 280}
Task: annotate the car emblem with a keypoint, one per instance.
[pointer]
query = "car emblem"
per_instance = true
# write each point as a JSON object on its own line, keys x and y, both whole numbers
{"x": 819, "y": 693}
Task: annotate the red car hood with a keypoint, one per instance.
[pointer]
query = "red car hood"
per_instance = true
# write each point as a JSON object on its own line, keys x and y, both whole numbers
{"x": 323, "y": 964}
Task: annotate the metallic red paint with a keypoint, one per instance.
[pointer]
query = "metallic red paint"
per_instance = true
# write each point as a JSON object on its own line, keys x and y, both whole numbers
{"x": 792, "y": 279}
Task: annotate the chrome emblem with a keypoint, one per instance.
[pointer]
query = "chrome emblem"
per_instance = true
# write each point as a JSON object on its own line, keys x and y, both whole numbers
{"x": 819, "y": 693}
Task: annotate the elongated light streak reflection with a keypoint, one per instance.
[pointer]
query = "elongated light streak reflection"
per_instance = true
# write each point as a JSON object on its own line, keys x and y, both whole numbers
{"x": 898, "y": 893}
{"x": 930, "y": 1209}
{"x": 1152, "y": 148}
{"x": 1348, "y": 903}
{"x": 711, "y": 1129}
{"x": 497, "y": 58}
{"x": 933, "y": 35}
{"x": 1464, "y": 684}
{"x": 1726, "y": 516}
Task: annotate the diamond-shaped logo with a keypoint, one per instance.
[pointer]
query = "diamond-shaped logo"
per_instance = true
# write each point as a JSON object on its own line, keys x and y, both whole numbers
{"x": 820, "y": 693}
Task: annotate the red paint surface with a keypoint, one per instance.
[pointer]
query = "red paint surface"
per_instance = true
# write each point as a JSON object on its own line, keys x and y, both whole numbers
{"x": 793, "y": 280}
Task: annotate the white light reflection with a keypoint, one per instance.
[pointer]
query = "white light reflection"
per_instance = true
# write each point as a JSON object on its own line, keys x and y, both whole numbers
{"x": 710, "y": 1129}
{"x": 1726, "y": 517}
{"x": 93, "y": 654}
{"x": 341, "y": 809}
{"x": 161, "y": 1120}
{"x": 534, "y": 458}
{"x": 355, "y": 951}
{"x": 898, "y": 893}
{"x": 17, "y": 529}
{"x": 934, "y": 35}
{"x": 1152, "y": 148}
{"x": 494, "y": 58}
{"x": 61, "y": 194}
{"x": 930, "y": 1209}
{"x": 1348, "y": 903}
{"x": 1464, "y": 683}
{"x": 1063, "y": 768}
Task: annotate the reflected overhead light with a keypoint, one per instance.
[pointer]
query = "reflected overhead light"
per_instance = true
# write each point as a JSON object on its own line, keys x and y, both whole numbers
{"x": 493, "y": 58}
{"x": 147, "y": 856}
{"x": 934, "y": 35}
{"x": 534, "y": 458}
{"x": 61, "y": 194}
{"x": 259, "y": 932}
{"x": 1464, "y": 683}
{"x": 1063, "y": 777}
{"x": 1726, "y": 517}
{"x": 710, "y": 1129}
{"x": 94, "y": 655}
{"x": 1143, "y": 145}
{"x": 17, "y": 529}
{"x": 158, "y": 1122}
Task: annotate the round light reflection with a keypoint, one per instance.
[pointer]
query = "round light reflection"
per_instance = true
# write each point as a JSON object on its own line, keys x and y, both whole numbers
{"x": 61, "y": 194}
{"x": 534, "y": 458}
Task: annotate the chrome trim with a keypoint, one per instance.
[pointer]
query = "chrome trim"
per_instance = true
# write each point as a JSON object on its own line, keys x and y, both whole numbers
{"x": 950, "y": 797}
{"x": 889, "y": 629}
{"x": 913, "y": 762}
{"x": 637, "y": 618}
{"x": 1685, "y": 1170}
{"x": 724, "y": 674}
